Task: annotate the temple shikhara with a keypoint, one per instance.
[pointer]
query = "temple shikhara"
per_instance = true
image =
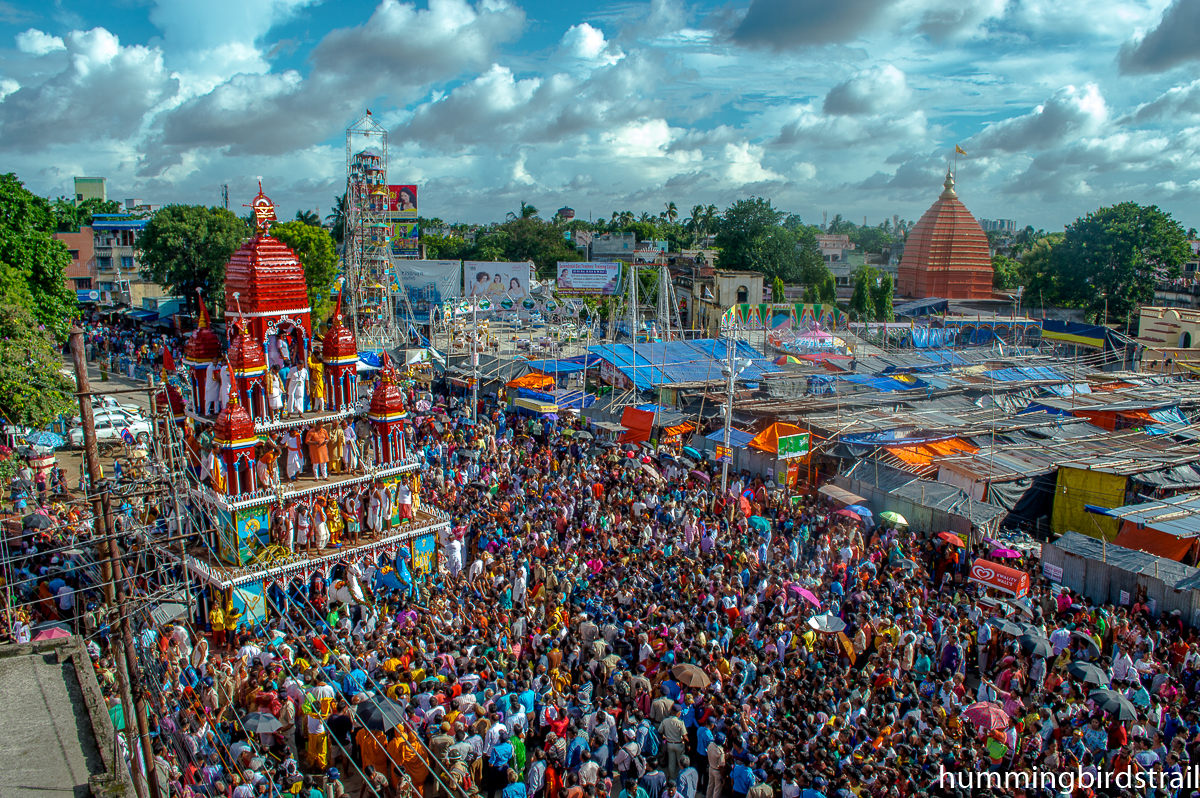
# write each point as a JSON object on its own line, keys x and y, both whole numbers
{"x": 947, "y": 254}
{"x": 298, "y": 465}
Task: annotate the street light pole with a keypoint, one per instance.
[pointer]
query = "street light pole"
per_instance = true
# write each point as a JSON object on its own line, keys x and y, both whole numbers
{"x": 725, "y": 454}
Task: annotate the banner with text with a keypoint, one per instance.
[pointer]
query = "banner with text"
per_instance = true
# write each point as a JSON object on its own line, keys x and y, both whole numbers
{"x": 597, "y": 279}
{"x": 429, "y": 284}
{"x": 505, "y": 286}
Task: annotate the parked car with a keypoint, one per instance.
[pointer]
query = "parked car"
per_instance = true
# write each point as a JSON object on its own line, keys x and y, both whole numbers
{"x": 111, "y": 403}
{"x": 109, "y": 426}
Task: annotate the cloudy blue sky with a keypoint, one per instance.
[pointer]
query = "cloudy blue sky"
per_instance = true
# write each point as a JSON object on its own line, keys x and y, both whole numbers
{"x": 846, "y": 106}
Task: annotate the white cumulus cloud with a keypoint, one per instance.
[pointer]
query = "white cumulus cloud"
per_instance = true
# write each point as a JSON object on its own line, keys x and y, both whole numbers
{"x": 36, "y": 42}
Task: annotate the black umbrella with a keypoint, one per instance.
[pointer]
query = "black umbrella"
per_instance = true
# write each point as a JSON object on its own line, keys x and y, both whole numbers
{"x": 379, "y": 713}
{"x": 584, "y": 435}
{"x": 478, "y": 485}
{"x": 1088, "y": 672}
{"x": 37, "y": 521}
{"x": 687, "y": 462}
{"x": 629, "y": 462}
{"x": 1114, "y": 704}
{"x": 530, "y": 471}
{"x": 1036, "y": 645}
{"x": 261, "y": 723}
{"x": 608, "y": 445}
{"x": 1005, "y": 625}
{"x": 1091, "y": 642}
{"x": 666, "y": 456}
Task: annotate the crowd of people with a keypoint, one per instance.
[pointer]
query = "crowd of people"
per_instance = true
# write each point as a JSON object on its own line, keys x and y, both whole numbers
{"x": 125, "y": 348}
{"x": 603, "y": 620}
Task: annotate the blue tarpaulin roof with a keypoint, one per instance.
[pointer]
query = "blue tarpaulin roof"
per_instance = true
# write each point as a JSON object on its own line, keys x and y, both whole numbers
{"x": 576, "y": 399}
{"x": 1025, "y": 374}
{"x": 674, "y": 362}
{"x": 564, "y": 365}
{"x": 736, "y": 437}
{"x": 144, "y": 315}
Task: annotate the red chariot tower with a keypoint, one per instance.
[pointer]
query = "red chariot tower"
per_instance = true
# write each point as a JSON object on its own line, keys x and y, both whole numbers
{"x": 387, "y": 416}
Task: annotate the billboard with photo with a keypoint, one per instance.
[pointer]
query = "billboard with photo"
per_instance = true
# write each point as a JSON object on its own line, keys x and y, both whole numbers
{"x": 428, "y": 284}
{"x": 405, "y": 240}
{"x": 402, "y": 202}
{"x": 597, "y": 279}
{"x": 497, "y": 281}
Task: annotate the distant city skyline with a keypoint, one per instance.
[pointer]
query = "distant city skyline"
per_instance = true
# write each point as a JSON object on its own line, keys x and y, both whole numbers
{"x": 1062, "y": 106}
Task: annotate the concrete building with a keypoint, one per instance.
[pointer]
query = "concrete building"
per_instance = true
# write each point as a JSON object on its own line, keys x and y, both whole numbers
{"x": 81, "y": 274}
{"x": 715, "y": 291}
{"x": 834, "y": 248}
{"x": 613, "y": 246}
{"x": 87, "y": 188}
{"x": 1184, "y": 290}
{"x": 998, "y": 225}
{"x": 118, "y": 271}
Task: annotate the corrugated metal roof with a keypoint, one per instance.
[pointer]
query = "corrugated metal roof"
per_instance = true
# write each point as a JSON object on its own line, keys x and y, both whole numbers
{"x": 1175, "y": 574}
{"x": 1179, "y": 516}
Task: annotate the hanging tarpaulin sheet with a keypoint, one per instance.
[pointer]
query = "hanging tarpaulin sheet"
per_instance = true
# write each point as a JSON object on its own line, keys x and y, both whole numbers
{"x": 999, "y": 577}
{"x": 591, "y": 279}
{"x": 429, "y": 284}
{"x": 927, "y": 337}
{"x": 781, "y": 316}
{"x": 772, "y": 439}
{"x": 1073, "y": 332}
{"x": 637, "y": 424}
{"x": 503, "y": 285}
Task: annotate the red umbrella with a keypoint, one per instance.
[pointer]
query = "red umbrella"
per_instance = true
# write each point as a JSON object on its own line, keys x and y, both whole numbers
{"x": 850, "y": 514}
{"x": 987, "y": 715}
{"x": 950, "y": 537}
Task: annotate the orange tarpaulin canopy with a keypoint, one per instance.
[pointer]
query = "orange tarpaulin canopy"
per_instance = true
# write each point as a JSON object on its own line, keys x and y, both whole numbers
{"x": 678, "y": 429}
{"x": 1108, "y": 419}
{"x": 1153, "y": 542}
{"x": 532, "y": 381}
{"x": 768, "y": 439}
{"x": 637, "y": 423}
{"x": 923, "y": 454}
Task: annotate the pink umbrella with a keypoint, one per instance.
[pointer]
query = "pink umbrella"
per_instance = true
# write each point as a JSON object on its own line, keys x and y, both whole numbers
{"x": 1010, "y": 554}
{"x": 53, "y": 633}
{"x": 806, "y": 594}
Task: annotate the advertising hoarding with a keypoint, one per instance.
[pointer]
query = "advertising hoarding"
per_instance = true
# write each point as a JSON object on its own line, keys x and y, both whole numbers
{"x": 498, "y": 281}
{"x": 402, "y": 202}
{"x": 405, "y": 240}
{"x": 429, "y": 284}
{"x": 597, "y": 279}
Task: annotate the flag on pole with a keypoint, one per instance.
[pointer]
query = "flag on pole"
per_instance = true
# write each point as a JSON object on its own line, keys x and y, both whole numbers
{"x": 959, "y": 150}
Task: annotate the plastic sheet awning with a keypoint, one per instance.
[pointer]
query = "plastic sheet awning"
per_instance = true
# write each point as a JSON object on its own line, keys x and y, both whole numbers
{"x": 737, "y": 438}
{"x": 567, "y": 365}
{"x": 674, "y": 362}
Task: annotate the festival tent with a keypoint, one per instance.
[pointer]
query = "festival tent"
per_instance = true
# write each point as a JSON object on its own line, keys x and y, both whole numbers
{"x": 1000, "y": 577}
{"x": 533, "y": 381}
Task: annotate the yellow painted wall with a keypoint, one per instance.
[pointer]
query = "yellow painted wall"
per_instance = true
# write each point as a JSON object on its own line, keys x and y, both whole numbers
{"x": 1077, "y": 487}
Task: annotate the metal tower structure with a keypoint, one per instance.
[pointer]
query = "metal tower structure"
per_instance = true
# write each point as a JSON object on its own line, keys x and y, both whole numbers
{"x": 368, "y": 225}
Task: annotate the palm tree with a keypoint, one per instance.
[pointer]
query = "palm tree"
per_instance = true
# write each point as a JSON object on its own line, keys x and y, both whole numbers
{"x": 337, "y": 219}
{"x": 646, "y": 217}
{"x": 625, "y": 218}
{"x": 710, "y": 219}
{"x": 527, "y": 212}
{"x": 672, "y": 213}
{"x": 310, "y": 218}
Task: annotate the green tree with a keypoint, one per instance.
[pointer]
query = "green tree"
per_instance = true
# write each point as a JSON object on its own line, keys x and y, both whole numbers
{"x": 1114, "y": 257}
{"x": 777, "y": 290}
{"x": 440, "y": 247}
{"x": 530, "y": 238}
{"x": 1037, "y": 271}
{"x": 337, "y": 219}
{"x": 861, "y": 301}
{"x": 310, "y": 218}
{"x": 526, "y": 212}
{"x": 827, "y": 290}
{"x": 32, "y": 262}
{"x": 752, "y": 237}
{"x": 318, "y": 255}
{"x": 33, "y": 392}
{"x": 882, "y": 292}
{"x": 185, "y": 247}
{"x": 1006, "y": 272}
{"x": 69, "y": 217}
